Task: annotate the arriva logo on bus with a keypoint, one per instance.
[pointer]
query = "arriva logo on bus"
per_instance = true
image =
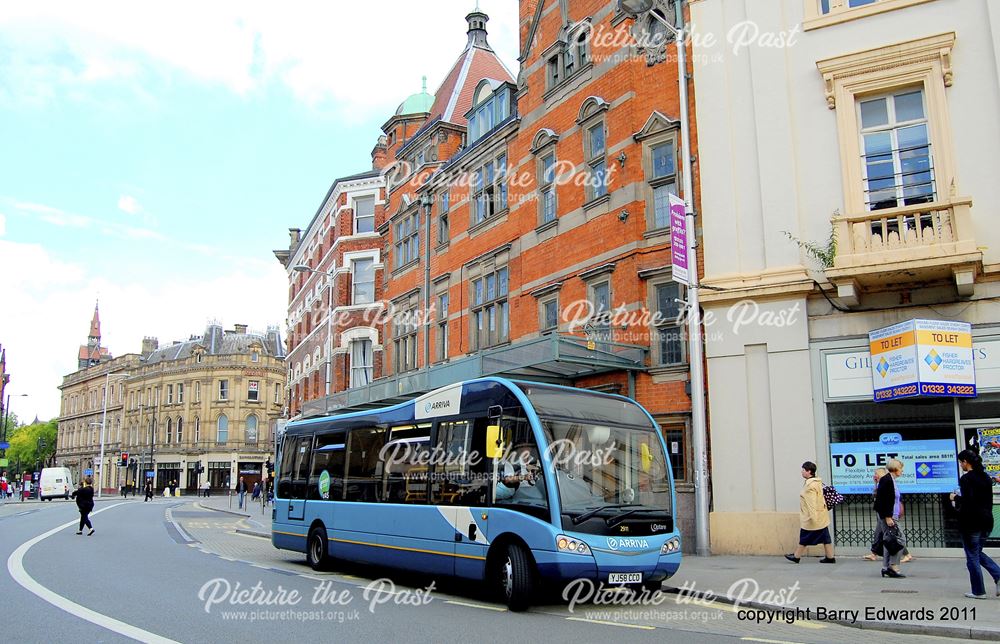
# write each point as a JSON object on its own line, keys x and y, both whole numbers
{"x": 624, "y": 544}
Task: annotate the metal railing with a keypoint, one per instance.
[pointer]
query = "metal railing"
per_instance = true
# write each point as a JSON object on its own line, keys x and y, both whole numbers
{"x": 928, "y": 521}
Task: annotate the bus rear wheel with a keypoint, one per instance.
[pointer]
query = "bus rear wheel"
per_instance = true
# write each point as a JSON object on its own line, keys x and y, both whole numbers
{"x": 516, "y": 578}
{"x": 317, "y": 553}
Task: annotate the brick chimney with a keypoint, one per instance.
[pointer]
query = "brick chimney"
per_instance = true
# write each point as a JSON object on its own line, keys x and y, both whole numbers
{"x": 240, "y": 328}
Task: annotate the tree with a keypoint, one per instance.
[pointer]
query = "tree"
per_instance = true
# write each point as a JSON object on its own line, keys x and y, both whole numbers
{"x": 24, "y": 444}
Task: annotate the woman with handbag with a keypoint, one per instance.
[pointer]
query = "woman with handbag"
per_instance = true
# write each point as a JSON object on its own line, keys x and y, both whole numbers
{"x": 814, "y": 517}
{"x": 975, "y": 520}
{"x": 887, "y": 507}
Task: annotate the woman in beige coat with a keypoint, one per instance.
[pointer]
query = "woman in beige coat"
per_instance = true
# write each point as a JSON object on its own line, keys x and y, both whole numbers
{"x": 814, "y": 518}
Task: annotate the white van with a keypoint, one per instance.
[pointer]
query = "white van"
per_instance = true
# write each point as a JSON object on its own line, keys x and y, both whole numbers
{"x": 56, "y": 482}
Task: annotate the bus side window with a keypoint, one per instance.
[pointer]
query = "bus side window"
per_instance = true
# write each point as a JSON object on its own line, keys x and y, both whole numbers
{"x": 460, "y": 473}
{"x": 287, "y": 466}
{"x": 405, "y": 466}
{"x": 329, "y": 455}
{"x": 300, "y": 476}
{"x": 363, "y": 465}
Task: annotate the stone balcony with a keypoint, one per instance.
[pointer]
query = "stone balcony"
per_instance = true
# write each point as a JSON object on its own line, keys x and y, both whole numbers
{"x": 911, "y": 245}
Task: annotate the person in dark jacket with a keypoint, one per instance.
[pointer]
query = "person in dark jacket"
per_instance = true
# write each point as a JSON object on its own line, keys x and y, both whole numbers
{"x": 888, "y": 507}
{"x": 84, "y": 496}
{"x": 149, "y": 491}
{"x": 975, "y": 521}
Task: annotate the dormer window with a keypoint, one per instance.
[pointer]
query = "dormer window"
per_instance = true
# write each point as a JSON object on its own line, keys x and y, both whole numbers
{"x": 491, "y": 107}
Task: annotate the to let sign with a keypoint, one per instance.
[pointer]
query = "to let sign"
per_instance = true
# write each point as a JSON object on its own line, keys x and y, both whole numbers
{"x": 922, "y": 358}
{"x": 679, "y": 241}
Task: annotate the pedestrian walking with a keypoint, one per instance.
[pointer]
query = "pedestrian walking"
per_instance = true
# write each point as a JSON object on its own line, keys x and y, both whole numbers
{"x": 974, "y": 501}
{"x": 877, "y": 548}
{"x": 84, "y": 496}
{"x": 814, "y": 517}
{"x": 888, "y": 508}
{"x": 149, "y": 491}
{"x": 206, "y": 489}
{"x": 256, "y": 491}
{"x": 241, "y": 489}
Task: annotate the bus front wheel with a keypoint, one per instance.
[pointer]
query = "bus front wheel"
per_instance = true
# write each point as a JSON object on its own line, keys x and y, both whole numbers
{"x": 317, "y": 554}
{"x": 516, "y": 578}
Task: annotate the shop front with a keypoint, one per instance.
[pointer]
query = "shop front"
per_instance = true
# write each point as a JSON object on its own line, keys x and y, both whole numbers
{"x": 862, "y": 429}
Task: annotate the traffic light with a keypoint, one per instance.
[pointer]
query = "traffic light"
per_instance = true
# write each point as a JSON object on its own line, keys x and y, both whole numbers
{"x": 124, "y": 460}
{"x": 270, "y": 468}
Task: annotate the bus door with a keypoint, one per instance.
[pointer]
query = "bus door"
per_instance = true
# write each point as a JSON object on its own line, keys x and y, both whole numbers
{"x": 302, "y": 454}
{"x": 460, "y": 490}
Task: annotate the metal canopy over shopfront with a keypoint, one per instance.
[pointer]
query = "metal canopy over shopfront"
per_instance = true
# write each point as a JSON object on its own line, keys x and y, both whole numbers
{"x": 557, "y": 359}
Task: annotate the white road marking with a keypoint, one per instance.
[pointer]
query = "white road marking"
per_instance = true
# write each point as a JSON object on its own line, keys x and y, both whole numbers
{"x": 471, "y": 605}
{"x": 605, "y": 623}
{"x": 15, "y": 566}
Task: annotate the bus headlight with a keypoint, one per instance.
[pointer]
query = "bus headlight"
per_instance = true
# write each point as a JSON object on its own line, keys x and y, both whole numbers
{"x": 671, "y": 546}
{"x": 569, "y": 544}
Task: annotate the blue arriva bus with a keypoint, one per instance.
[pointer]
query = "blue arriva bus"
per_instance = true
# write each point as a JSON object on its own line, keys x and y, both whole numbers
{"x": 514, "y": 483}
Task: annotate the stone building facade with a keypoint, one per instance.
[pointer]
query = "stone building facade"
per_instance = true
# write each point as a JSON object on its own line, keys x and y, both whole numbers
{"x": 212, "y": 401}
{"x": 873, "y": 126}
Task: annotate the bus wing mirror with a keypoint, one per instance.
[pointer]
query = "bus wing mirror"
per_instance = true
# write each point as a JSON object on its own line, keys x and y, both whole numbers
{"x": 494, "y": 444}
{"x": 494, "y": 411}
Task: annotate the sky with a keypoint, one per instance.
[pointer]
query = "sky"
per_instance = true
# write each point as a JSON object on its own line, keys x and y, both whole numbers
{"x": 153, "y": 155}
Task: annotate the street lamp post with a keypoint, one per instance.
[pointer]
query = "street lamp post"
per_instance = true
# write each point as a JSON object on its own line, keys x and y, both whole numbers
{"x": 104, "y": 419}
{"x": 636, "y": 8}
{"x": 331, "y": 276}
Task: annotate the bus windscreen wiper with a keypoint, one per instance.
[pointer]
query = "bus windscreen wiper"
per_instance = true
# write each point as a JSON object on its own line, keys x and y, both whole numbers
{"x": 615, "y": 520}
{"x": 580, "y": 518}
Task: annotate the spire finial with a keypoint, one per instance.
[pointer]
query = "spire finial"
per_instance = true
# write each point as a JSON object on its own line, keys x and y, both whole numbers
{"x": 423, "y": 84}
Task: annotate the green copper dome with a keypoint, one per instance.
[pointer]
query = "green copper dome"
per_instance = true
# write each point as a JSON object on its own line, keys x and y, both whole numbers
{"x": 417, "y": 103}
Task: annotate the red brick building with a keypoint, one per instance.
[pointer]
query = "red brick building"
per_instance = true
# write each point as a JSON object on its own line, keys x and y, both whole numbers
{"x": 526, "y": 225}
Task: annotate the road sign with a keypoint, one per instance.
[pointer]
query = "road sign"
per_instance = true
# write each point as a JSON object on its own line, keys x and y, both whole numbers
{"x": 149, "y": 474}
{"x": 4, "y": 445}
{"x": 4, "y": 462}
{"x": 88, "y": 472}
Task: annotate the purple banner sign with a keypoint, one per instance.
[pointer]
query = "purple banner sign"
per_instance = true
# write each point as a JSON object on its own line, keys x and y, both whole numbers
{"x": 679, "y": 241}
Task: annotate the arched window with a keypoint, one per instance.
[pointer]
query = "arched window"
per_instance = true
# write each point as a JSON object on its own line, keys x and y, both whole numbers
{"x": 180, "y": 430}
{"x": 222, "y": 434}
{"x": 170, "y": 429}
{"x": 251, "y": 429}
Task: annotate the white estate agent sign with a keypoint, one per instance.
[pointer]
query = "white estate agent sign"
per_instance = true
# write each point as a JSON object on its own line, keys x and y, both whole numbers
{"x": 849, "y": 374}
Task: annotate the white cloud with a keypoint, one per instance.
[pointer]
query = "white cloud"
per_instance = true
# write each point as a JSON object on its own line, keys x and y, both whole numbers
{"x": 3, "y": 224}
{"x": 129, "y": 204}
{"x": 359, "y": 57}
{"x": 56, "y": 301}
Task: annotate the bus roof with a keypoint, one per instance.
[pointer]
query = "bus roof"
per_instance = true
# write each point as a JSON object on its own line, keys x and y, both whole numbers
{"x": 479, "y": 394}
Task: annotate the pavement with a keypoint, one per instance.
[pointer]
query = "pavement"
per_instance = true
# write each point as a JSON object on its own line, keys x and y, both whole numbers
{"x": 852, "y": 592}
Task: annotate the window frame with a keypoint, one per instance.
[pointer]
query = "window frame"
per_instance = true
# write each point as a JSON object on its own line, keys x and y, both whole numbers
{"x": 355, "y": 283}
{"x": 659, "y": 323}
{"x": 355, "y": 219}
{"x": 406, "y": 240}
{"x": 223, "y": 389}
{"x": 923, "y": 62}
{"x": 369, "y": 366}
{"x": 841, "y": 11}
{"x": 653, "y": 182}
{"x": 892, "y": 128}
{"x": 404, "y": 336}
{"x": 251, "y": 390}
{"x": 482, "y": 336}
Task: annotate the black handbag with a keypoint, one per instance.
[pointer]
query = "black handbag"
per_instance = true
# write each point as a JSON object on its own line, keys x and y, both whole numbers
{"x": 893, "y": 539}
